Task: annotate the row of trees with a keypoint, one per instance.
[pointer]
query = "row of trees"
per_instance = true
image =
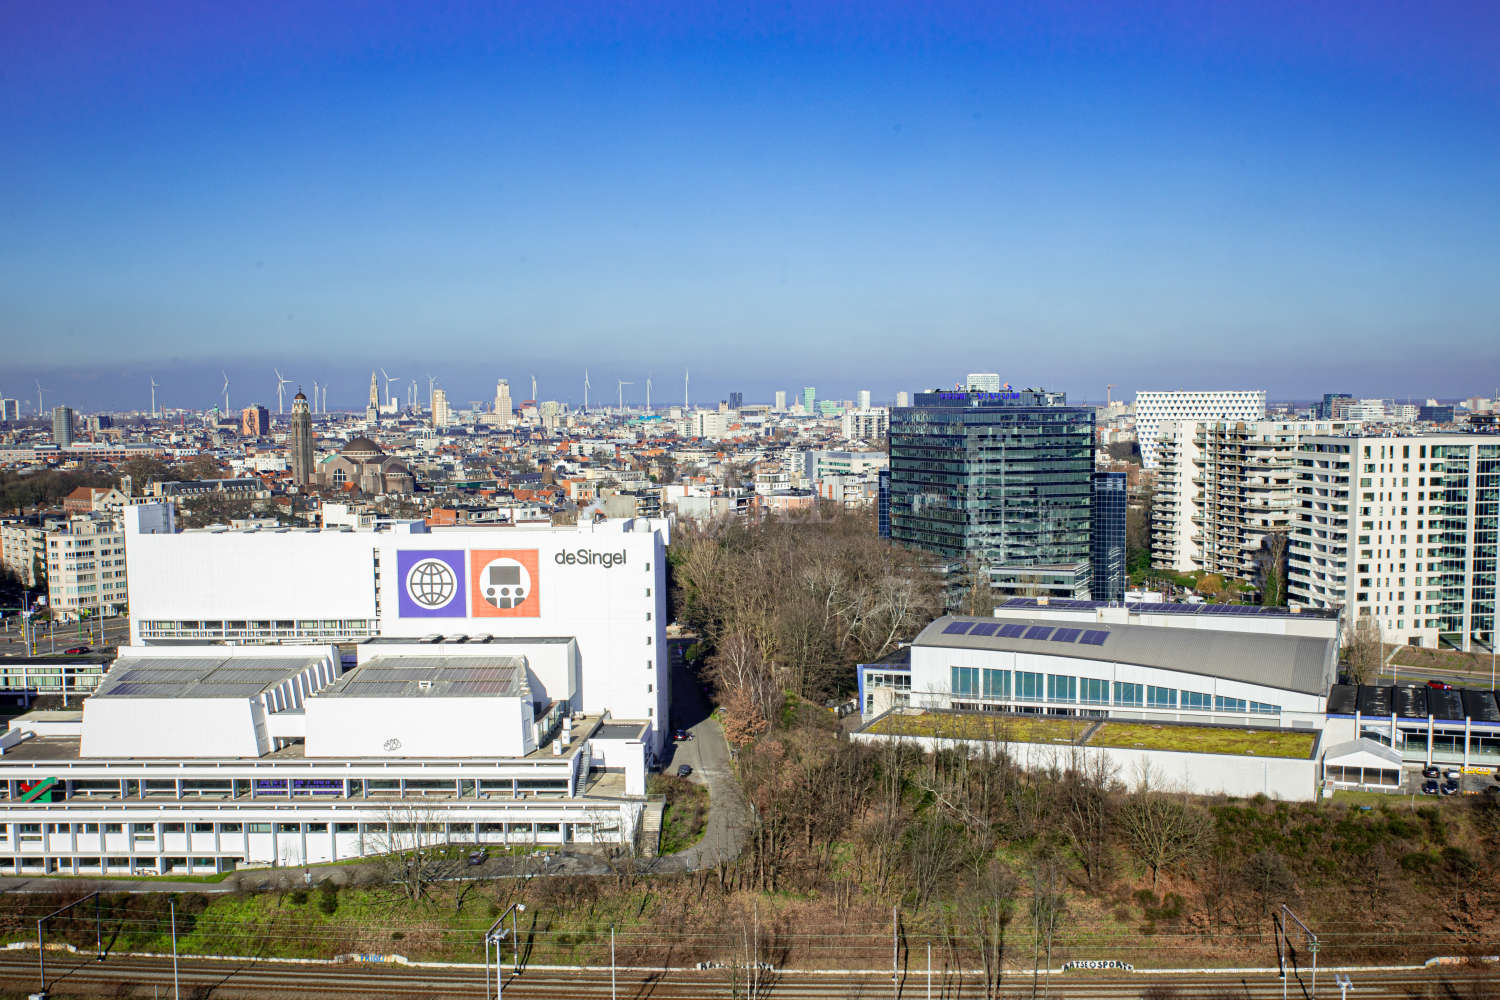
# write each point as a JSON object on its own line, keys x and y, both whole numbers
{"x": 789, "y": 605}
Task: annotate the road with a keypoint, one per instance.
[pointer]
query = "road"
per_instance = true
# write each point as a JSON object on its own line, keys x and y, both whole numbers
{"x": 66, "y": 636}
{"x": 76, "y": 976}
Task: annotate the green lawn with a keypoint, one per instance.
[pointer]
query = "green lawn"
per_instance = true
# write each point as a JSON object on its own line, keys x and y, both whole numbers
{"x": 1205, "y": 739}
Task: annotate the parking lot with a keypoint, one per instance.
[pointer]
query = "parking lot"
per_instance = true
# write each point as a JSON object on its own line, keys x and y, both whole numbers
{"x": 1472, "y": 782}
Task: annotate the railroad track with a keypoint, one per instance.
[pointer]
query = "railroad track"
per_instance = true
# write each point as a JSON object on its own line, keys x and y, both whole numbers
{"x": 79, "y": 976}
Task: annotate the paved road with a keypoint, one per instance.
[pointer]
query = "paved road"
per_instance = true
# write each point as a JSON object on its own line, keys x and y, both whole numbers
{"x": 708, "y": 753}
{"x": 77, "y": 975}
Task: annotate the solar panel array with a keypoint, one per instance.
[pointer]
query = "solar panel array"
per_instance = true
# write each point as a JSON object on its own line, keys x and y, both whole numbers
{"x": 199, "y": 676}
{"x": 1039, "y": 631}
{"x": 1027, "y": 630}
{"x": 985, "y": 628}
{"x": 1094, "y": 637}
{"x": 1012, "y": 631}
{"x": 958, "y": 628}
{"x": 435, "y": 676}
{"x": 1066, "y": 634}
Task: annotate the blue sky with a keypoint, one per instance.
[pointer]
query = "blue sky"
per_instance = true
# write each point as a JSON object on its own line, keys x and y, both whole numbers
{"x": 1297, "y": 196}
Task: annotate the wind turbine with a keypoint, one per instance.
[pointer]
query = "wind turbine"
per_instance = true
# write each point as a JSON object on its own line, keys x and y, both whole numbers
{"x": 685, "y": 389}
{"x": 39, "y": 391}
{"x": 153, "y": 397}
{"x": 585, "y": 390}
{"x": 315, "y": 396}
{"x": 388, "y": 380}
{"x": 225, "y": 391}
{"x": 281, "y": 384}
{"x": 325, "y": 400}
{"x": 621, "y": 387}
{"x": 648, "y": 393}
{"x": 533, "y": 388}
{"x": 431, "y": 381}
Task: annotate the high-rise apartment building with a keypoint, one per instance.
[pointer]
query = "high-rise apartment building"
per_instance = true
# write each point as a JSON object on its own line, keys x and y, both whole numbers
{"x": 255, "y": 421}
{"x": 441, "y": 415}
{"x": 504, "y": 409}
{"x": 809, "y": 398}
{"x": 1403, "y": 530}
{"x": 736, "y": 400}
{"x": 1335, "y": 406}
{"x": 62, "y": 426}
{"x": 1221, "y": 488}
{"x": 903, "y": 398}
{"x": 86, "y": 568}
{"x": 998, "y": 480}
{"x": 1152, "y": 409}
{"x": 867, "y": 424}
{"x": 1107, "y": 537}
{"x": 983, "y": 382}
{"x": 302, "y": 441}
{"x": 863, "y": 399}
{"x": 10, "y": 410}
{"x": 780, "y": 401}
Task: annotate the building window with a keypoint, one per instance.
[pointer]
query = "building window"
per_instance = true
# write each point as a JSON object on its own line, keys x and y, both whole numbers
{"x": 1029, "y": 685}
{"x": 1061, "y": 687}
{"x": 997, "y": 683}
{"x": 1223, "y": 704}
{"x": 1161, "y": 697}
{"x": 965, "y": 681}
{"x": 1127, "y": 693}
{"x": 1095, "y": 691}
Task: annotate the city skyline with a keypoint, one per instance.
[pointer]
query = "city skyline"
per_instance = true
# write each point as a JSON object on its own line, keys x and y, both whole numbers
{"x": 1113, "y": 194}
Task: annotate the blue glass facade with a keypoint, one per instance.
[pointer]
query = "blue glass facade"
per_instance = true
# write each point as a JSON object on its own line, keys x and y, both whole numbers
{"x": 883, "y": 503}
{"x": 1001, "y": 476}
{"x": 1107, "y": 546}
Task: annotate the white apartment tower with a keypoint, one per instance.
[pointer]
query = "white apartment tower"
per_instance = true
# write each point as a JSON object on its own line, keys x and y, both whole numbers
{"x": 1152, "y": 409}
{"x": 441, "y": 415}
{"x": 86, "y": 568}
{"x": 780, "y": 406}
{"x": 503, "y": 408}
{"x": 1401, "y": 529}
{"x": 1221, "y": 488}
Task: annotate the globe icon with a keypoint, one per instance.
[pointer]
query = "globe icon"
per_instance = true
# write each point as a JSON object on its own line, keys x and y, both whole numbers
{"x": 431, "y": 583}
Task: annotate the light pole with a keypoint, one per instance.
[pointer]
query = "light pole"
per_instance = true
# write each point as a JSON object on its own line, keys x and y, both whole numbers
{"x": 495, "y": 935}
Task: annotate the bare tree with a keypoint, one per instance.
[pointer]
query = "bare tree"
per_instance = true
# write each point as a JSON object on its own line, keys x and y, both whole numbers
{"x": 1364, "y": 649}
{"x": 1088, "y": 815}
{"x": 991, "y": 899}
{"x": 1162, "y": 829}
{"x": 1273, "y": 582}
{"x": 1048, "y": 907}
{"x": 414, "y": 850}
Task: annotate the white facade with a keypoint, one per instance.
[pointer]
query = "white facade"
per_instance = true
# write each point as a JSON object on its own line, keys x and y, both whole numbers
{"x": 982, "y": 382}
{"x": 503, "y": 406}
{"x": 86, "y": 569}
{"x": 599, "y": 585}
{"x": 867, "y": 423}
{"x": 1152, "y": 409}
{"x": 441, "y": 415}
{"x": 1221, "y": 488}
{"x": 1401, "y": 529}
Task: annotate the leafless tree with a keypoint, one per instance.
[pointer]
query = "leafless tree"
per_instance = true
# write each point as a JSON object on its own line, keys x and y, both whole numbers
{"x": 1364, "y": 649}
{"x": 1048, "y": 906}
{"x": 1162, "y": 829}
{"x": 1088, "y": 815}
{"x": 414, "y": 851}
{"x": 990, "y": 898}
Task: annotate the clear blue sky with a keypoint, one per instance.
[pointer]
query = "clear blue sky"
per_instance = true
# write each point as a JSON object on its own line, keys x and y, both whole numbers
{"x": 1299, "y": 196}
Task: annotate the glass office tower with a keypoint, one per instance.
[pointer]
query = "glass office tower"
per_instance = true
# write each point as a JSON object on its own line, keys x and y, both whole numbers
{"x": 1107, "y": 547}
{"x": 997, "y": 480}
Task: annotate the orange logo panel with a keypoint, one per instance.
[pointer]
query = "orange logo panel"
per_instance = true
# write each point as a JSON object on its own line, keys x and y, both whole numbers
{"x": 504, "y": 583}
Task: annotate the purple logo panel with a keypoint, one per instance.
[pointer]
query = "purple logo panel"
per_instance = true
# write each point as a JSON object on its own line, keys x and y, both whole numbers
{"x": 430, "y": 583}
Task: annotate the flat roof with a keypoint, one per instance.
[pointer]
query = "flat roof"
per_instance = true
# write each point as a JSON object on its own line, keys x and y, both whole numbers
{"x": 1165, "y": 608}
{"x": 209, "y": 676}
{"x": 614, "y": 730}
{"x": 1415, "y": 701}
{"x": 481, "y": 639}
{"x": 434, "y": 676}
{"x": 1288, "y": 662}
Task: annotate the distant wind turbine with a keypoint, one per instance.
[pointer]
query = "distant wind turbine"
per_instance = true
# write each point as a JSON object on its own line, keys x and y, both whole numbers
{"x": 225, "y": 390}
{"x": 389, "y": 405}
{"x": 533, "y": 388}
{"x": 585, "y": 390}
{"x": 621, "y": 387}
{"x": 153, "y": 397}
{"x": 648, "y": 393}
{"x": 39, "y": 391}
{"x": 685, "y": 389}
{"x": 281, "y": 384}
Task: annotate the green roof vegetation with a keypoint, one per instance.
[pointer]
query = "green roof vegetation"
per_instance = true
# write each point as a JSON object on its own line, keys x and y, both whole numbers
{"x": 983, "y": 726}
{"x": 1128, "y": 735}
{"x": 1205, "y": 739}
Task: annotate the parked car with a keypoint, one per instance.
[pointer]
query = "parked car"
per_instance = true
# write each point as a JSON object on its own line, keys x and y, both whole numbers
{"x": 683, "y": 770}
{"x": 1432, "y": 772}
{"x": 1492, "y": 789}
{"x": 1438, "y": 685}
{"x": 1429, "y": 788}
{"x": 681, "y": 735}
{"x": 1450, "y": 787}
{"x": 1452, "y": 773}
{"x": 478, "y": 857}
{"x": 75, "y": 650}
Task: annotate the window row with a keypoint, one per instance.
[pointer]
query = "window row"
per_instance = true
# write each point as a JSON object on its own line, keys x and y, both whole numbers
{"x": 1027, "y": 685}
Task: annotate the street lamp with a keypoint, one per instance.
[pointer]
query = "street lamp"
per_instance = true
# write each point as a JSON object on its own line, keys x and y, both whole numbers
{"x": 495, "y": 935}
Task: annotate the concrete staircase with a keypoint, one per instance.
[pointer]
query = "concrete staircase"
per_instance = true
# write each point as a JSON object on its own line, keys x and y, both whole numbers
{"x": 651, "y": 827}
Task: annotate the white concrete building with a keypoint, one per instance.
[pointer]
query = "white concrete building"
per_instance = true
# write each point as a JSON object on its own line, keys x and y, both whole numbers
{"x": 442, "y": 416}
{"x": 503, "y": 408}
{"x": 601, "y": 586}
{"x": 204, "y": 759}
{"x": 86, "y": 569}
{"x": 1221, "y": 488}
{"x": 1401, "y": 529}
{"x": 867, "y": 423}
{"x": 1152, "y": 409}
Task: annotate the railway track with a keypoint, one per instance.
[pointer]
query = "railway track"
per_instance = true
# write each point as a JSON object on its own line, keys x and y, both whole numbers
{"x": 78, "y": 976}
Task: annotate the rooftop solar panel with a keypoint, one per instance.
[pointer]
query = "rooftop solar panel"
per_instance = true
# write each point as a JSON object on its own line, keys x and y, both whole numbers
{"x": 1094, "y": 637}
{"x": 1038, "y": 631}
{"x": 1066, "y": 634}
{"x": 958, "y": 628}
{"x": 1012, "y": 631}
{"x": 985, "y": 628}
